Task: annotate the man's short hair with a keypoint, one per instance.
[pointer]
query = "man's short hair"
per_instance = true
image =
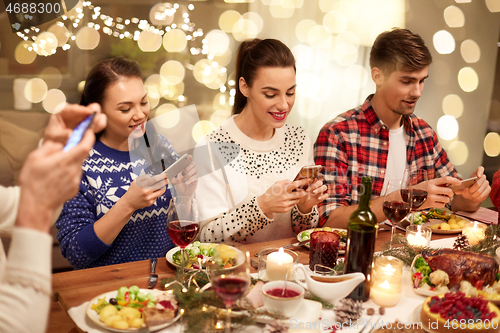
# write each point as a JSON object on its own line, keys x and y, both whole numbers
{"x": 399, "y": 49}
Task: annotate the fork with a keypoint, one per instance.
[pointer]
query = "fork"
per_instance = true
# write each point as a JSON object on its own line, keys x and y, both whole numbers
{"x": 153, "y": 278}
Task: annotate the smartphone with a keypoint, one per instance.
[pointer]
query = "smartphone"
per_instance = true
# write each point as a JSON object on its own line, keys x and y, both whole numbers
{"x": 173, "y": 170}
{"x": 78, "y": 132}
{"x": 308, "y": 171}
{"x": 466, "y": 183}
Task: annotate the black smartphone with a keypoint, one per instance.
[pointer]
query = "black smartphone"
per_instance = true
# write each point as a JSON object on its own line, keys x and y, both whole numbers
{"x": 78, "y": 132}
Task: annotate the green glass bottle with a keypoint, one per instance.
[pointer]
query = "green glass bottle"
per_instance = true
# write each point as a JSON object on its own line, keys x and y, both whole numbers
{"x": 361, "y": 234}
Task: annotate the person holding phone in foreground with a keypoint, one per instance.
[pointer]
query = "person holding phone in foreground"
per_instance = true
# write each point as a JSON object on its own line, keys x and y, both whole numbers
{"x": 49, "y": 177}
{"x": 119, "y": 215}
{"x": 268, "y": 204}
{"x": 382, "y": 137}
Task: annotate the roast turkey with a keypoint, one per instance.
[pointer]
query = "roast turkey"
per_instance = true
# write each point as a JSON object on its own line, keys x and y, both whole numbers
{"x": 460, "y": 265}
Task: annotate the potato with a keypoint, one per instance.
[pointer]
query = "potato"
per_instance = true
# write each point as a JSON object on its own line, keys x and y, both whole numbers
{"x": 109, "y": 321}
{"x": 120, "y": 324}
{"x": 222, "y": 247}
{"x": 327, "y": 229}
{"x": 107, "y": 311}
{"x": 444, "y": 226}
{"x": 452, "y": 216}
{"x": 452, "y": 221}
{"x": 228, "y": 254}
{"x": 129, "y": 314}
{"x": 454, "y": 226}
{"x": 461, "y": 223}
{"x": 137, "y": 323}
{"x": 435, "y": 226}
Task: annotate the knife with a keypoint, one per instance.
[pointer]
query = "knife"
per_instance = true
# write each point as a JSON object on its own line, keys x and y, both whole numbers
{"x": 291, "y": 245}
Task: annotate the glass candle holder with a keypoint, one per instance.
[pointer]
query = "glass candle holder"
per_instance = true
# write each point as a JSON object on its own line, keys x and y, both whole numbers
{"x": 474, "y": 232}
{"x": 276, "y": 264}
{"x": 323, "y": 251}
{"x": 387, "y": 281}
{"x": 418, "y": 236}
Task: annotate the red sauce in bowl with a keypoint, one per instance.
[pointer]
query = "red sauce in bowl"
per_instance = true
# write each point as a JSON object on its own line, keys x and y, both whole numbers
{"x": 278, "y": 292}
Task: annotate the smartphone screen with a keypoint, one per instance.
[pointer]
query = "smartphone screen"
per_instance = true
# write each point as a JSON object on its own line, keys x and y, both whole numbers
{"x": 78, "y": 132}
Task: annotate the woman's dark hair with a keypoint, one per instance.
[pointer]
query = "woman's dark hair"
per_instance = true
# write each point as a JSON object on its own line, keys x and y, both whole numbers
{"x": 253, "y": 55}
{"x": 106, "y": 73}
{"x": 399, "y": 49}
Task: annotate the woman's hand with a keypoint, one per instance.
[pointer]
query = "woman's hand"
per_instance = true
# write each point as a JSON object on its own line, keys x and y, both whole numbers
{"x": 186, "y": 182}
{"x": 144, "y": 191}
{"x": 282, "y": 196}
{"x": 315, "y": 193}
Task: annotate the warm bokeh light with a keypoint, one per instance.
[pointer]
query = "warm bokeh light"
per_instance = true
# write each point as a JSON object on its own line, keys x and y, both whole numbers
{"x": 221, "y": 102}
{"x": 309, "y": 84}
{"x": 308, "y": 58}
{"x": 346, "y": 7}
{"x": 245, "y": 29}
{"x": 24, "y": 53}
{"x": 493, "y": 5}
{"x": 443, "y": 41}
{"x": 492, "y": 144}
{"x": 80, "y": 86}
{"x": 308, "y": 108}
{"x": 458, "y": 152}
{"x": 335, "y": 22}
{"x": 470, "y": 51}
{"x": 172, "y": 92}
{"x": 173, "y": 71}
{"x": 228, "y": 19}
{"x": 35, "y": 90}
{"x": 204, "y": 72}
{"x": 255, "y": 18}
{"x": 161, "y": 14}
{"x": 201, "y": 128}
{"x": 224, "y": 59}
{"x": 345, "y": 48}
{"x": 277, "y": 9}
{"x": 219, "y": 80}
{"x": 447, "y": 127}
{"x": 326, "y": 5}
{"x": 453, "y": 105}
{"x": 167, "y": 115}
{"x": 149, "y": 41}
{"x": 217, "y": 42}
{"x": 356, "y": 76}
{"x": 302, "y": 29}
{"x": 454, "y": 17}
{"x": 61, "y": 32}
{"x": 52, "y": 76}
{"x": 219, "y": 117}
{"x": 468, "y": 79}
{"x": 87, "y": 38}
{"x": 319, "y": 37}
{"x": 174, "y": 40}
{"x": 54, "y": 101}
{"x": 45, "y": 44}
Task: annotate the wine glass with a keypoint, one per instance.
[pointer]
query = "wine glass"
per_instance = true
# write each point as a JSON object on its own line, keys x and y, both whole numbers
{"x": 416, "y": 182}
{"x": 230, "y": 285}
{"x": 394, "y": 207}
{"x": 183, "y": 223}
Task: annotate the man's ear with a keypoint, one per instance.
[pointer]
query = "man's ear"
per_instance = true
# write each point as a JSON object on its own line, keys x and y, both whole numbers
{"x": 244, "y": 88}
{"x": 377, "y": 76}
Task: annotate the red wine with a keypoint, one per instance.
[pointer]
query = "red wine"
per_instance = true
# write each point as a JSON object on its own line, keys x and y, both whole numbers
{"x": 361, "y": 234}
{"x": 419, "y": 197}
{"x": 230, "y": 287}
{"x": 278, "y": 292}
{"x": 396, "y": 211}
{"x": 183, "y": 233}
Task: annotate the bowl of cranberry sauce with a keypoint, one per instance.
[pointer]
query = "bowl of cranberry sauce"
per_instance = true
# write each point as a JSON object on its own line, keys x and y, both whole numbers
{"x": 282, "y": 297}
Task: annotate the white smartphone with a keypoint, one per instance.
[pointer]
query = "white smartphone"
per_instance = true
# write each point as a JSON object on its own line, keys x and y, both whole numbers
{"x": 173, "y": 170}
{"x": 77, "y": 134}
{"x": 308, "y": 171}
{"x": 466, "y": 183}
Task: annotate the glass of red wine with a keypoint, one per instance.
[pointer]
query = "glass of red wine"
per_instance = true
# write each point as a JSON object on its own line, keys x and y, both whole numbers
{"x": 183, "y": 223}
{"x": 414, "y": 181}
{"x": 230, "y": 285}
{"x": 394, "y": 207}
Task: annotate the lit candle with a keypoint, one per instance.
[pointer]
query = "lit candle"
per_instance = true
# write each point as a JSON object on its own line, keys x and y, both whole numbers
{"x": 475, "y": 233}
{"x": 279, "y": 265}
{"x": 418, "y": 236}
{"x": 387, "y": 281}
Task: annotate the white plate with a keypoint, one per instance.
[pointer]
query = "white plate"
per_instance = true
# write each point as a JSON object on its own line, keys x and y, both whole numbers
{"x": 308, "y": 312}
{"x": 299, "y": 236}
{"x": 444, "y": 243}
{"x": 444, "y": 232}
{"x": 92, "y": 314}
{"x": 239, "y": 261}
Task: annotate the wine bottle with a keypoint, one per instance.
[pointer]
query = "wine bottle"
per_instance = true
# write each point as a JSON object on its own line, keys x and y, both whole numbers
{"x": 361, "y": 234}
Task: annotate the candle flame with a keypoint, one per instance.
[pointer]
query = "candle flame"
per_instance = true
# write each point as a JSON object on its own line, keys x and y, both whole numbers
{"x": 385, "y": 285}
{"x": 475, "y": 225}
{"x": 281, "y": 250}
{"x": 419, "y": 230}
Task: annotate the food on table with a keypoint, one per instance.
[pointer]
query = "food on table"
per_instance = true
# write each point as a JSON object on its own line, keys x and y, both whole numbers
{"x": 454, "y": 223}
{"x": 201, "y": 254}
{"x": 254, "y": 296}
{"x": 456, "y": 311}
{"x": 306, "y": 235}
{"x": 419, "y": 218}
{"x": 128, "y": 308}
{"x": 164, "y": 311}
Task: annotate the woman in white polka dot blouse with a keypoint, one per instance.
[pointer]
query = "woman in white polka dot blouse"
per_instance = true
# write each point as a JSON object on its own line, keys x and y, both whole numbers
{"x": 251, "y": 197}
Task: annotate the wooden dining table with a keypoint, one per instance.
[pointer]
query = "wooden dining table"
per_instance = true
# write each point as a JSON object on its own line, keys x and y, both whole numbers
{"x": 73, "y": 288}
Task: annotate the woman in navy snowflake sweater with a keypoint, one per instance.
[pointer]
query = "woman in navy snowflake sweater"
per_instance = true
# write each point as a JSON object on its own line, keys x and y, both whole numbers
{"x": 112, "y": 219}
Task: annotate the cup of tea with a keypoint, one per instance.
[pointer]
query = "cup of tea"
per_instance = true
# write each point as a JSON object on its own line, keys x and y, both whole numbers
{"x": 282, "y": 297}
{"x": 323, "y": 251}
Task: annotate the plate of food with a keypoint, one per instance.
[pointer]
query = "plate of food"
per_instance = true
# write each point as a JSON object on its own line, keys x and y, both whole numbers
{"x": 441, "y": 221}
{"x": 306, "y": 234}
{"x": 435, "y": 273}
{"x": 226, "y": 256}
{"x": 126, "y": 309}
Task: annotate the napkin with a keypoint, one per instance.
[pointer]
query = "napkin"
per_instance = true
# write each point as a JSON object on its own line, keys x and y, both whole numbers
{"x": 482, "y": 214}
{"x": 79, "y": 316}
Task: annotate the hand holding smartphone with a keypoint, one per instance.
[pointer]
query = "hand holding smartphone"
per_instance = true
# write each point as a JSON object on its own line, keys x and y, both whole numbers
{"x": 466, "y": 183}
{"x": 173, "y": 170}
{"x": 308, "y": 171}
{"x": 77, "y": 134}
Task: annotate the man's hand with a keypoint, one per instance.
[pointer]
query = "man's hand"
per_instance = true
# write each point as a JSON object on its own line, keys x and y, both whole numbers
{"x": 480, "y": 190}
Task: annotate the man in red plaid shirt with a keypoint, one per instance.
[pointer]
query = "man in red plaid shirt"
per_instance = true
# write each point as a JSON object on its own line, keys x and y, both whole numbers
{"x": 382, "y": 137}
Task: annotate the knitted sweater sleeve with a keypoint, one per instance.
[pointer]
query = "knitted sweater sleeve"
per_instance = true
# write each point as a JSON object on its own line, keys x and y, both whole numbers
{"x": 76, "y": 236}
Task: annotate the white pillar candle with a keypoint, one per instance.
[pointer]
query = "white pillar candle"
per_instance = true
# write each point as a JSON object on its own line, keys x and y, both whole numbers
{"x": 387, "y": 281}
{"x": 418, "y": 236}
{"x": 416, "y": 240}
{"x": 385, "y": 293}
{"x": 474, "y": 233}
{"x": 279, "y": 265}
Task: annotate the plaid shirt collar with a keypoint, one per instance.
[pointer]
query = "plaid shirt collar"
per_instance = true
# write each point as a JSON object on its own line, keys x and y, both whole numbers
{"x": 377, "y": 124}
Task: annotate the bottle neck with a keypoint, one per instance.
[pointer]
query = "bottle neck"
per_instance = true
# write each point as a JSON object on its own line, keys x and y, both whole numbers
{"x": 364, "y": 201}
